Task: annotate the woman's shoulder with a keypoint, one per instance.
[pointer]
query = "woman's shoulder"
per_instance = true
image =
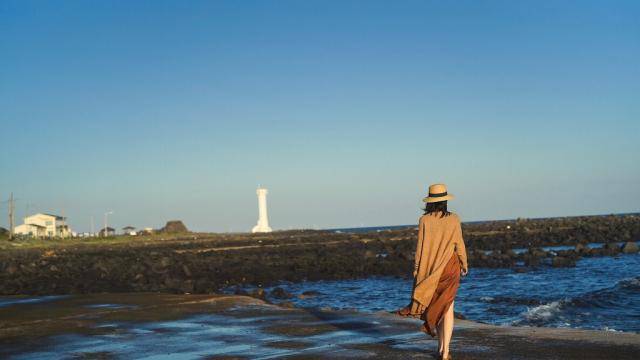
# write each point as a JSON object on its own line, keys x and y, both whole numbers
{"x": 451, "y": 216}
{"x": 454, "y": 217}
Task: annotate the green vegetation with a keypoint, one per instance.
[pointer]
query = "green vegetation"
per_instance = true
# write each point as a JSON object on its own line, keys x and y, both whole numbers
{"x": 24, "y": 242}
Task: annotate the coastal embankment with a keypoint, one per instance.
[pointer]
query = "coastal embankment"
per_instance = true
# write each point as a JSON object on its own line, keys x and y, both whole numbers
{"x": 206, "y": 263}
{"x": 131, "y": 326}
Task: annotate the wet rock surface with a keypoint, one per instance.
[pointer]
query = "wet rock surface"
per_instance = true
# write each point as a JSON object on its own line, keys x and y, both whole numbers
{"x": 280, "y": 293}
{"x": 136, "y": 326}
{"x": 205, "y": 263}
{"x": 562, "y": 261}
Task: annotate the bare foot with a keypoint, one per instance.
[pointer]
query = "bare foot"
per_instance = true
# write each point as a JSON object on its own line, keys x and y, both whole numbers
{"x": 405, "y": 311}
{"x": 424, "y": 329}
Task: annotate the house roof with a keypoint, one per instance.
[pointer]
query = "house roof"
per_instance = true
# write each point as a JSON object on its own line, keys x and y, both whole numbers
{"x": 128, "y": 228}
{"x": 58, "y": 217}
{"x": 108, "y": 229}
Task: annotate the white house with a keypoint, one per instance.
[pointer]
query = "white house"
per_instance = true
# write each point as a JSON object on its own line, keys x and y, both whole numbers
{"x": 129, "y": 230}
{"x": 108, "y": 231}
{"x": 44, "y": 225}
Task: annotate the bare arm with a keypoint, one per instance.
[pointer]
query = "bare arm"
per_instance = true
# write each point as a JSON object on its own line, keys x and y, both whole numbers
{"x": 418, "y": 247}
{"x": 461, "y": 250}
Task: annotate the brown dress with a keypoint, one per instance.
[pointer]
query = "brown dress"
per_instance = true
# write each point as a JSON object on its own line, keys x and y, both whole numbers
{"x": 440, "y": 255}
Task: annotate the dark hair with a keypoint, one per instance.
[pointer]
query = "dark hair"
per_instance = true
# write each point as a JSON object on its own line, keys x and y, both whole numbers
{"x": 434, "y": 207}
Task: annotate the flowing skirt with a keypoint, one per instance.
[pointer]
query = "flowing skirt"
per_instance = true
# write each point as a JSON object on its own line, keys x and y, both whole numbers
{"x": 442, "y": 298}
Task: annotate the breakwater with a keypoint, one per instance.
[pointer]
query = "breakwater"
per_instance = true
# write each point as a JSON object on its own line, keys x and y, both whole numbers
{"x": 205, "y": 263}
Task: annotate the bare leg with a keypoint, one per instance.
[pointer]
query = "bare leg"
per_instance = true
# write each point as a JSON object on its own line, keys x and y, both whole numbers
{"x": 447, "y": 330}
{"x": 440, "y": 332}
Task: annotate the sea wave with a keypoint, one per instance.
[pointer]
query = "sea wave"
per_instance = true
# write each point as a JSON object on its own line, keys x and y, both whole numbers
{"x": 569, "y": 310}
{"x": 511, "y": 300}
{"x": 540, "y": 314}
{"x": 633, "y": 283}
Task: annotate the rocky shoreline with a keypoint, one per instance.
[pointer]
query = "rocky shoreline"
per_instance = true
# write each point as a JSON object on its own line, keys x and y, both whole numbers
{"x": 205, "y": 263}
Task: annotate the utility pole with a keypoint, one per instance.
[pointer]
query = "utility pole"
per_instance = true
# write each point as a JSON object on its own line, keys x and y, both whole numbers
{"x": 11, "y": 210}
{"x": 106, "y": 232}
{"x": 11, "y": 205}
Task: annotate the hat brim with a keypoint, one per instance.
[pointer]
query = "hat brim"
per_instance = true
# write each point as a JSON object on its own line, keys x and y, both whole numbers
{"x": 438, "y": 199}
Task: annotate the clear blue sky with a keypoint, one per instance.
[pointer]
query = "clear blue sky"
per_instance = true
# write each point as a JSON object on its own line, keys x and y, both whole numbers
{"x": 344, "y": 110}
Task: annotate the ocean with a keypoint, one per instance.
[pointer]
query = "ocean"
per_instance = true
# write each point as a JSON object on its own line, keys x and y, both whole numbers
{"x": 600, "y": 293}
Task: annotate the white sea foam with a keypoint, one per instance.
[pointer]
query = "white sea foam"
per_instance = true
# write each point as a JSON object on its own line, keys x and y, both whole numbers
{"x": 630, "y": 282}
{"x": 606, "y": 328}
{"x": 544, "y": 312}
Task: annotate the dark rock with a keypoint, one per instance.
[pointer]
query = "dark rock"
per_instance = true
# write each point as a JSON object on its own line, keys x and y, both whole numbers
{"x": 101, "y": 266}
{"x": 582, "y": 249}
{"x": 205, "y": 286}
{"x": 159, "y": 269}
{"x": 172, "y": 283}
{"x": 177, "y": 285}
{"x": 241, "y": 291}
{"x": 186, "y": 270}
{"x": 610, "y": 245}
{"x": 537, "y": 252}
{"x": 630, "y": 247}
{"x": 287, "y": 304}
{"x": 572, "y": 254}
{"x": 280, "y": 293}
{"x": 11, "y": 269}
{"x": 187, "y": 286}
{"x": 174, "y": 226}
{"x": 510, "y": 253}
{"x": 610, "y": 249}
{"x": 258, "y": 294}
{"x": 145, "y": 266}
{"x": 166, "y": 261}
{"x": 561, "y": 261}
{"x": 369, "y": 254}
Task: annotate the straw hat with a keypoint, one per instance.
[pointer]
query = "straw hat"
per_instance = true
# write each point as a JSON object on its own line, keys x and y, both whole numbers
{"x": 437, "y": 192}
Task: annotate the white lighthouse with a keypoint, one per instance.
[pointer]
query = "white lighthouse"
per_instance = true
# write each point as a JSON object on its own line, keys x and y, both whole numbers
{"x": 263, "y": 220}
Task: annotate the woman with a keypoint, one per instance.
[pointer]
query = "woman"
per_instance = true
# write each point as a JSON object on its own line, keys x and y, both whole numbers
{"x": 440, "y": 259}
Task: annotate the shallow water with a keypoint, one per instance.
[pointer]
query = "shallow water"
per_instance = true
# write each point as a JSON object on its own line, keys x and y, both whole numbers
{"x": 599, "y": 293}
{"x": 190, "y": 338}
{"x": 255, "y": 331}
{"x": 13, "y": 300}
